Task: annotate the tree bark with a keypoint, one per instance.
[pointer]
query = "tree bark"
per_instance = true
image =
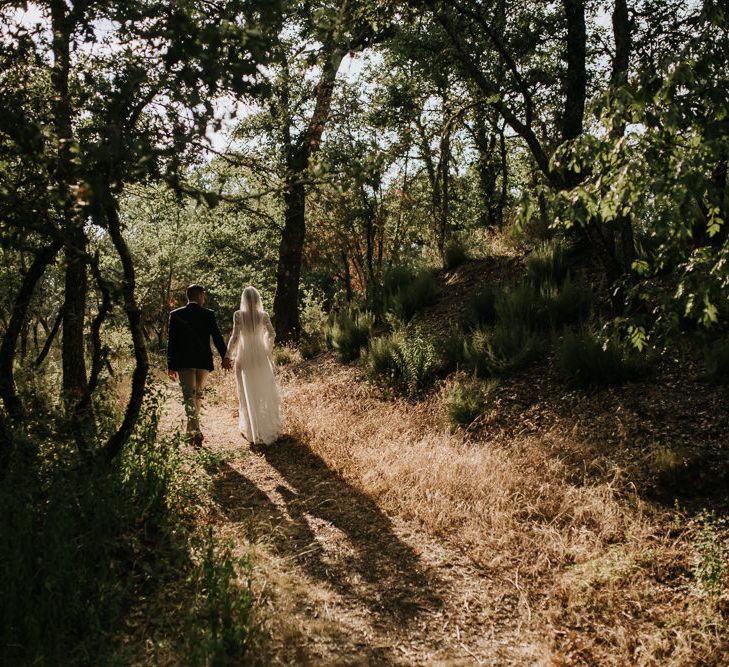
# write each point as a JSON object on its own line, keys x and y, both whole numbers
{"x": 288, "y": 273}
{"x": 134, "y": 318}
{"x": 575, "y": 84}
{"x": 75, "y": 285}
{"x": 50, "y": 338}
{"x": 622, "y": 30}
{"x": 8, "y": 393}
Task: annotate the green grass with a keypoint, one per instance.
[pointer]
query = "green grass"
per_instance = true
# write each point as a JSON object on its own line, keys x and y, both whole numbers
{"x": 546, "y": 265}
{"x": 586, "y": 361}
{"x": 410, "y": 294}
{"x": 404, "y": 361}
{"x": 348, "y": 332}
{"x": 480, "y": 308}
{"x": 465, "y": 401}
{"x": 456, "y": 254}
{"x": 84, "y": 545}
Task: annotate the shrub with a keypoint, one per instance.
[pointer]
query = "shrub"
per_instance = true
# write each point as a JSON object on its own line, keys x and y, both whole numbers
{"x": 513, "y": 347}
{"x": 500, "y": 351}
{"x": 284, "y": 355}
{"x": 348, "y": 332}
{"x": 313, "y": 325}
{"x": 455, "y": 254}
{"x": 221, "y": 625}
{"x": 417, "y": 364}
{"x": 716, "y": 361}
{"x": 90, "y": 544}
{"x": 546, "y": 265}
{"x": 404, "y": 361}
{"x": 569, "y": 304}
{"x": 381, "y": 354}
{"x": 466, "y": 401}
{"x": 481, "y": 308}
{"x": 586, "y": 361}
{"x": 522, "y": 306}
{"x": 410, "y": 297}
{"x": 451, "y": 350}
{"x": 710, "y": 566}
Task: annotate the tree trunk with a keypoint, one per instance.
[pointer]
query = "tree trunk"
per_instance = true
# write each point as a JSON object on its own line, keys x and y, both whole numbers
{"x": 50, "y": 338}
{"x": 444, "y": 168}
{"x": 75, "y": 286}
{"x": 288, "y": 272}
{"x": 504, "y": 177}
{"x": 10, "y": 398}
{"x": 623, "y": 44}
{"x": 73, "y": 352}
{"x": 575, "y": 83}
{"x": 134, "y": 318}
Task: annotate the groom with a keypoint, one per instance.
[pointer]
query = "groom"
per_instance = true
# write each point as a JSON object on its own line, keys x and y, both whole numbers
{"x": 189, "y": 356}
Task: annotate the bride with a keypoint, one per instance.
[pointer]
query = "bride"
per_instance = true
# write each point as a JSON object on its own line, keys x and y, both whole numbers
{"x": 249, "y": 347}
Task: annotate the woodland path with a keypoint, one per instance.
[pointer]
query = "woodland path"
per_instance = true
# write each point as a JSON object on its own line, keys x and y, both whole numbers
{"x": 340, "y": 581}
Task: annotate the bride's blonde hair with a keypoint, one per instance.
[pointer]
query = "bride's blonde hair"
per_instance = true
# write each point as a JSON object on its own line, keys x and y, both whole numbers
{"x": 251, "y": 307}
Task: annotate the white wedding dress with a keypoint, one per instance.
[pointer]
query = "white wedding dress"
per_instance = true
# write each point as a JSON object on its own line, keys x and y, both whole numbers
{"x": 259, "y": 417}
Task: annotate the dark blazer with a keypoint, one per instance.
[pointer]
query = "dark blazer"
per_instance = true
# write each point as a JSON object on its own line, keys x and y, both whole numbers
{"x": 188, "y": 345}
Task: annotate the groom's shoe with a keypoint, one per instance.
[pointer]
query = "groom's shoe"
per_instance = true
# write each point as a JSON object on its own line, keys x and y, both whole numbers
{"x": 197, "y": 438}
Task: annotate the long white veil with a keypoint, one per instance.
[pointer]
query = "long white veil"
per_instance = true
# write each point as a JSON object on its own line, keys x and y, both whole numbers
{"x": 251, "y": 308}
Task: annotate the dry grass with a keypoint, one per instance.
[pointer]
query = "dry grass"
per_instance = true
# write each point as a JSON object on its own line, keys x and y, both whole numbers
{"x": 602, "y": 576}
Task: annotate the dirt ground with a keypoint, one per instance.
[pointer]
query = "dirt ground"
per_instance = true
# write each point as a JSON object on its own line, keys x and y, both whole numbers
{"x": 339, "y": 580}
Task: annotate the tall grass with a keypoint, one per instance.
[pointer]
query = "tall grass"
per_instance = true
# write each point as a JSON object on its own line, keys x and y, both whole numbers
{"x": 348, "y": 332}
{"x": 586, "y": 361}
{"x": 83, "y": 544}
{"x": 465, "y": 401}
{"x": 404, "y": 361}
{"x": 546, "y": 265}
{"x": 411, "y": 294}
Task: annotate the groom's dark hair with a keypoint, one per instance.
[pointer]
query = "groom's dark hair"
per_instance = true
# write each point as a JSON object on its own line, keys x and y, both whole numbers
{"x": 194, "y": 292}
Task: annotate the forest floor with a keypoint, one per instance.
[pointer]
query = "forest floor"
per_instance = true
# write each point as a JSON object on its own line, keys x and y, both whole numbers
{"x": 340, "y": 580}
{"x": 563, "y": 528}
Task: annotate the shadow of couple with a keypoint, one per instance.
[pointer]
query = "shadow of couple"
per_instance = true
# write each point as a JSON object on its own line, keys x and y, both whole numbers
{"x": 336, "y": 533}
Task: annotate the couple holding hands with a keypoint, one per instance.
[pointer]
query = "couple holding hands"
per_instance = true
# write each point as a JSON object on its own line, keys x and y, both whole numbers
{"x": 248, "y": 354}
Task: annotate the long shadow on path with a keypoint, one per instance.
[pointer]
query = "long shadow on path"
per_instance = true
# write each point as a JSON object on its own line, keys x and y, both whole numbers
{"x": 332, "y": 530}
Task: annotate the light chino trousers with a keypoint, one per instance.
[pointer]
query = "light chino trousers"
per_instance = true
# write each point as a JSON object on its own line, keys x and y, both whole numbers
{"x": 192, "y": 381}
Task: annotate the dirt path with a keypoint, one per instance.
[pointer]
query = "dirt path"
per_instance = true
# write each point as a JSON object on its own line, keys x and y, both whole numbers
{"x": 342, "y": 582}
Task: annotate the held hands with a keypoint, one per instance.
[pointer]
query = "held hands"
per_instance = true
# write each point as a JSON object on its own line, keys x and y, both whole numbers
{"x": 172, "y": 374}
{"x": 227, "y": 363}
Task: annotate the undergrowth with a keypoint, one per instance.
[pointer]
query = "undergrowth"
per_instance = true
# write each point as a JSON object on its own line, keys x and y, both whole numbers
{"x": 87, "y": 544}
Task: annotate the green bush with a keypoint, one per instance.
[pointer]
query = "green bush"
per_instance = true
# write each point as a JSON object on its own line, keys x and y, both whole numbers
{"x": 464, "y": 402}
{"x": 405, "y": 361}
{"x": 282, "y": 355}
{"x": 716, "y": 361}
{"x": 586, "y": 361}
{"x": 313, "y": 325}
{"x": 513, "y": 347}
{"x": 412, "y": 296}
{"x": 455, "y": 254}
{"x": 380, "y": 361}
{"x": 481, "y": 308}
{"x": 348, "y": 332}
{"x": 86, "y": 544}
{"x": 417, "y": 364}
{"x": 221, "y": 625}
{"x": 499, "y": 351}
{"x": 570, "y": 304}
{"x": 546, "y": 265}
{"x": 522, "y": 305}
{"x": 451, "y": 350}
